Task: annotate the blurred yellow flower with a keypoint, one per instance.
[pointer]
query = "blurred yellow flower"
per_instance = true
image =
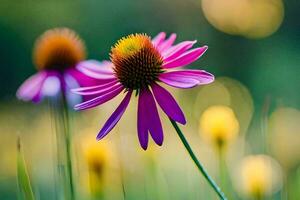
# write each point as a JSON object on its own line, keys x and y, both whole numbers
{"x": 258, "y": 176}
{"x": 219, "y": 126}
{"x": 96, "y": 155}
{"x": 252, "y": 19}
{"x": 284, "y": 132}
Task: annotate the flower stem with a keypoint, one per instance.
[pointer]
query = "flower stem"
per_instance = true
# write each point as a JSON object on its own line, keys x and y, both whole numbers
{"x": 68, "y": 146}
{"x": 197, "y": 162}
{"x": 63, "y": 137}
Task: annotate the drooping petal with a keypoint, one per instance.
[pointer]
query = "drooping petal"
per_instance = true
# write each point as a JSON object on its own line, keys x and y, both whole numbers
{"x": 115, "y": 117}
{"x": 105, "y": 67}
{"x": 70, "y": 83}
{"x": 155, "y": 127}
{"x": 186, "y": 78}
{"x": 30, "y": 90}
{"x": 186, "y": 58}
{"x": 99, "y": 100}
{"x": 157, "y": 40}
{"x": 152, "y": 117}
{"x": 97, "y": 70}
{"x": 98, "y": 75}
{"x": 99, "y": 91}
{"x": 177, "y": 50}
{"x": 82, "y": 90}
{"x": 142, "y": 118}
{"x": 168, "y": 104}
{"x": 52, "y": 86}
{"x": 82, "y": 79}
{"x": 85, "y": 81}
{"x": 167, "y": 43}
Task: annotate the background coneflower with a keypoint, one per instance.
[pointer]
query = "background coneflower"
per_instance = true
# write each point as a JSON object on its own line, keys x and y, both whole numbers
{"x": 55, "y": 55}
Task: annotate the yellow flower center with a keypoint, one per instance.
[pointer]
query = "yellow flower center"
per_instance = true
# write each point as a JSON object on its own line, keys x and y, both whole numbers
{"x": 58, "y": 49}
{"x": 137, "y": 62}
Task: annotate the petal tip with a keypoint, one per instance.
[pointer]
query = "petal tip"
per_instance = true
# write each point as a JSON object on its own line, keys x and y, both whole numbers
{"x": 211, "y": 76}
{"x": 101, "y": 135}
{"x": 77, "y": 107}
{"x": 182, "y": 121}
{"x": 173, "y": 35}
{"x": 162, "y": 33}
{"x": 74, "y": 90}
{"x": 160, "y": 143}
{"x": 145, "y": 147}
{"x": 98, "y": 138}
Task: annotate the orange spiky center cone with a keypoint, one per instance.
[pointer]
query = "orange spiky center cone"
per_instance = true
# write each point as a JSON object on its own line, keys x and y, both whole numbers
{"x": 58, "y": 49}
{"x": 137, "y": 63}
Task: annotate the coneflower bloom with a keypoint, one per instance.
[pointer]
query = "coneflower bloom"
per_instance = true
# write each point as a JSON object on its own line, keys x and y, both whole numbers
{"x": 55, "y": 55}
{"x": 139, "y": 64}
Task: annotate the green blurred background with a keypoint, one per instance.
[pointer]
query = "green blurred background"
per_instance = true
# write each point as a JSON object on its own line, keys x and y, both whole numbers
{"x": 268, "y": 67}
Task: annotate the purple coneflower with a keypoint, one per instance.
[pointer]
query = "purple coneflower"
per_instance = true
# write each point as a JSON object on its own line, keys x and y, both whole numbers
{"x": 56, "y": 54}
{"x": 141, "y": 64}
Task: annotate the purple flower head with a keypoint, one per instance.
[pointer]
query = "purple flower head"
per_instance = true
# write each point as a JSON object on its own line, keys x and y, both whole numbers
{"x": 140, "y": 64}
{"x": 56, "y": 54}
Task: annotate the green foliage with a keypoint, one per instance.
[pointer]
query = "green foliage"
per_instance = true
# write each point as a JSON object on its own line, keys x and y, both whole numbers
{"x": 25, "y": 189}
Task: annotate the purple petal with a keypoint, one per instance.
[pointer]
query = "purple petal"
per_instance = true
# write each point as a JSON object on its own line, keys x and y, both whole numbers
{"x": 115, "y": 117}
{"x": 105, "y": 67}
{"x": 82, "y": 79}
{"x": 177, "y": 50}
{"x": 51, "y": 86}
{"x": 96, "y": 69}
{"x": 167, "y": 43}
{"x": 98, "y": 75}
{"x": 70, "y": 83}
{"x": 202, "y": 76}
{"x": 168, "y": 104}
{"x": 186, "y": 78}
{"x": 157, "y": 40}
{"x": 30, "y": 90}
{"x": 142, "y": 121}
{"x": 99, "y": 100}
{"x": 99, "y": 91}
{"x": 186, "y": 58}
{"x": 178, "y": 81}
{"x": 81, "y": 90}
{"x": 150, "y": 112}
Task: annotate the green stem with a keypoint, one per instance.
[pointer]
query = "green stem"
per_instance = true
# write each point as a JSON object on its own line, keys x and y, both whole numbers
{"x": 63, "y": 137}
{"x": 197, "y": 162}
{"x": 221, "y": 170}
{"x": 68, "y": 146}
